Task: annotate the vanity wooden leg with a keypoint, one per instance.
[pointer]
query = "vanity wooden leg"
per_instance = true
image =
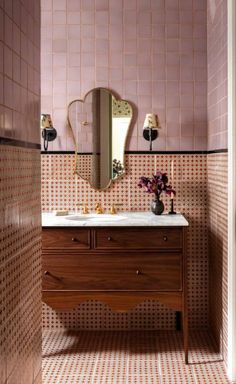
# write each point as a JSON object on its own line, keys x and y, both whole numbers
{"x": 185, "y": 334}
{"x": 185, "y": 300}
{"x": 178, "y": 321}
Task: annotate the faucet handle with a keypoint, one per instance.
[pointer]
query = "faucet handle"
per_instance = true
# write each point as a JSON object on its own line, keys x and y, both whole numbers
{"x": 85, "y": 208}
{"x": 99, "y": 208}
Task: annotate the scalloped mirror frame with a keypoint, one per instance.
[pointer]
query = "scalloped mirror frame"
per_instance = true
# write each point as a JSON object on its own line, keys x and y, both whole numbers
{"x": 75, "y": 135}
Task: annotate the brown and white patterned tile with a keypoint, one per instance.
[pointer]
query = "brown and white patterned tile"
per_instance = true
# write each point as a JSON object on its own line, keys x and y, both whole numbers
{"x": 21, "y": 261}
{"x": 217, "y": 173}
{"x": 135, "y": 362}
{"x": 212, "y": 373}
{"x": 137, "y": 379}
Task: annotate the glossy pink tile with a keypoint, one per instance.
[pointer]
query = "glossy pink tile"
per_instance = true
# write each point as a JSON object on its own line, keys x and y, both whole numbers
{"x": 59, "y": 17}
{"x": 59, "y": 45}
{"x": 139, "y": 40}
{"x": 59, "y": 5}
{"x": 217, "y": 75}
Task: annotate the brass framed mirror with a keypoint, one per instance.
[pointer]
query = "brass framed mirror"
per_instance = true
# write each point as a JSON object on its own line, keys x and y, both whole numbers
{"x": 100, "y": 124}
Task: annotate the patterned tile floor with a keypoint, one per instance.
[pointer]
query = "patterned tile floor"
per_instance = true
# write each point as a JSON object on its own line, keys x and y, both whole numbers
{"x": 135, "y": 357}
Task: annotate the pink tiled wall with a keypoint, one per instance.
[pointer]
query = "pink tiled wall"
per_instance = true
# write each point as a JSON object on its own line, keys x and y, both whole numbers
{"x": 217, "y": 73}
{"x": 150, "y": 52}
{"x": 63, "y": 190}
{"x": 19, "y": 69}
{"x": 20, "y": 253}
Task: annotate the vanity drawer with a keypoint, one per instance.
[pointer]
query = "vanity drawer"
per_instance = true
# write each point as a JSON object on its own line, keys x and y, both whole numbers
{"x": 66, "y": 238}
{"x": 118, "y": 272}
{"x": 138, "y": 238}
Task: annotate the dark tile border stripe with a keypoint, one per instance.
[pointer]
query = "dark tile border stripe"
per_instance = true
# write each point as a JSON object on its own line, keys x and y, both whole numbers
{"x": 218, "y": 151}
{"x": 62, "y": 153}
{"x": 143, "y": 152}
{"x": 19, "y": 143}
{"x": 166, "y": 152}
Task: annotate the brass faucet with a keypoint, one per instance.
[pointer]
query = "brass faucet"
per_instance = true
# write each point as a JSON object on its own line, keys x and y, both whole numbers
{"x": 113, "y": 209}
{"x": 99, "y": 208}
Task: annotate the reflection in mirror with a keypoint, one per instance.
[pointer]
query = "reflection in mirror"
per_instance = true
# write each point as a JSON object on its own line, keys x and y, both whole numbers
{"x": 100, "y": 124}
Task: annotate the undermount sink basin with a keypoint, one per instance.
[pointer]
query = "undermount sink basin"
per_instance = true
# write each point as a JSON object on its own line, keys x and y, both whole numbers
{"x": 97, "y": 218}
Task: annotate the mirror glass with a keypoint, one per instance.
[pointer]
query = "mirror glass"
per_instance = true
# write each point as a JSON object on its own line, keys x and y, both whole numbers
{"x": 100, "y": 124}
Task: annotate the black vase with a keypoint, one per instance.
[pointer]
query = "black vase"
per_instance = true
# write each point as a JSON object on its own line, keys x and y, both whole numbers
{"x": 157, "y": 206}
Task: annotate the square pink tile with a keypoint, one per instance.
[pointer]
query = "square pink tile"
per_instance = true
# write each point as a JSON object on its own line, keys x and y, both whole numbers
{"x": 59, "y": 5}
{"x": 73, "y": 17}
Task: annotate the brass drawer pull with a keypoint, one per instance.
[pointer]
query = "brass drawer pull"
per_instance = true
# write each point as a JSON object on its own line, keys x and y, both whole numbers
{"x": 75, "y": 239}
{"x": 138, "y": 272}
{"x": 109, "y": 238}
{"x": 165, "y": 238}
{"x": 47, "y": 273}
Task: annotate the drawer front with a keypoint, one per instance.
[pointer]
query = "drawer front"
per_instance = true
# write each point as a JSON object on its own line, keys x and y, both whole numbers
{"x": 65, "y": 238}
{"x": 121, "y": 272}
{"x": 138, "y": 238}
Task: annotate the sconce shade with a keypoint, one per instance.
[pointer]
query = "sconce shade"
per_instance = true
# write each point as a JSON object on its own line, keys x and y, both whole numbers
{"x": 46, "y": 120}
{"x": 150, "y": 128}
{"x": 151, "y": 121}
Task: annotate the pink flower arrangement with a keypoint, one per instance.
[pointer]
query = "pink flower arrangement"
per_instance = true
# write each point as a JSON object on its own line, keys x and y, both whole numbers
{"x": 157, "y": 184}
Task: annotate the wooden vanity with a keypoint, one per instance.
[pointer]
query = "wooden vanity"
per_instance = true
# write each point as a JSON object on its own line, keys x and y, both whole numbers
{"x": 121, "y": 265}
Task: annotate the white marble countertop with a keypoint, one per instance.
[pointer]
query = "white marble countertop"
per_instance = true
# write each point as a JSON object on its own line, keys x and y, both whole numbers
{"x": 122, "y": 219}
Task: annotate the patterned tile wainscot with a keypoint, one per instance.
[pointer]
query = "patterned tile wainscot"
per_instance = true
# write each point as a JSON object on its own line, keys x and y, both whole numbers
{"x": 217, "y": 170}
{"x": 20, "y": 265}
{"x": 61, "y": 189}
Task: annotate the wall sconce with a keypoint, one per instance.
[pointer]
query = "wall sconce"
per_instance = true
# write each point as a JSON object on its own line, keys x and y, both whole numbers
{"x": 150, "y": 128}
{"x": 48, "y": 132}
